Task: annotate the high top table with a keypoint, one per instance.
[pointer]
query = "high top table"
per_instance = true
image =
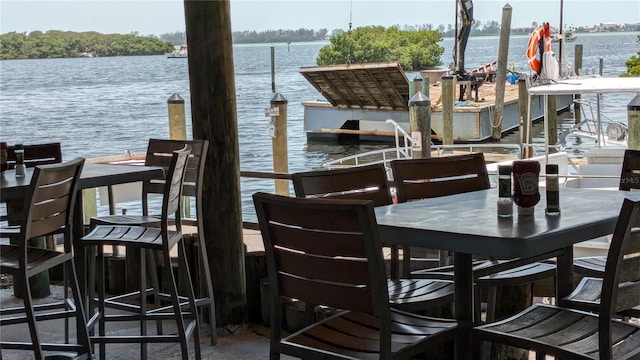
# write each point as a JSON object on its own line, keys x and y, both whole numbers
{"x": 92, "y": 176}
{"x": 467, "y": 224}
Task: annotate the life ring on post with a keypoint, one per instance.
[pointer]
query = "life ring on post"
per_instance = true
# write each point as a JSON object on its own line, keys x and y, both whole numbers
{"x": 539, "y": 42}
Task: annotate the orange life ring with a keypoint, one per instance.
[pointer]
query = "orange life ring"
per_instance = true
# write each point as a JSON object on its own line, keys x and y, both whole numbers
{"x": 540, "y": 39}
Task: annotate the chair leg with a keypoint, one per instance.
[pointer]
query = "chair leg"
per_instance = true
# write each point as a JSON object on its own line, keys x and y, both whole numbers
{"x": 168, "y": 273}
{"x": 101, "y": 297}
{"x": 183, "y": 264}
{"x": 143, "y": 302}
{"x": 82, "y": 332}
{"x": 208, "y": 285}
{"x": 31, "y": 318}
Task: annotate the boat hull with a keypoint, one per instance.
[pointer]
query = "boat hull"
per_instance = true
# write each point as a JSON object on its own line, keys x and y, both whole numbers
{"x": 471, "y": 123}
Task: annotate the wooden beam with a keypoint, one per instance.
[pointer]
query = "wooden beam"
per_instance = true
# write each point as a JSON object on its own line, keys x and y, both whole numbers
{"x": 213, "y": 113}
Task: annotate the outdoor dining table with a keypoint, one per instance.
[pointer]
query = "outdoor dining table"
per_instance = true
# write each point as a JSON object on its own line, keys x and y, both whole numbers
{"x": 467, "y": 224}
{"x": 93, "y": 175}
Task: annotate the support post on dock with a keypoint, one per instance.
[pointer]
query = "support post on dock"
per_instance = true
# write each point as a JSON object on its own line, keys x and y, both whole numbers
{"x": 278, "y": 113}
{"x": 501, "y": 72}
{"x": 577, "y": 68}
{"x": 448, "y": 95}
{"x": 552, "y": 122}
{"x": 633, "y": 120}
{"x": 525, "y": 128}
{"x": 417, "y": 85}
{"x": 420, "y": 122}
{"x": 273, "y": 69}
{"x": 177, "y": 118}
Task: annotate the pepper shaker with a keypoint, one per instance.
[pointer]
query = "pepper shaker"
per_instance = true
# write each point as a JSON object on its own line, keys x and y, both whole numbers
{"x": 20, "y": 167}
{"x": 505, "y": 204}
{"x": 553, "y": 190}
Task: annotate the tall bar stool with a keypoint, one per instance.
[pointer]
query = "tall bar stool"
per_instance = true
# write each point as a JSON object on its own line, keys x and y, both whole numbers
{"x": 158, "y": 153}
{"x": 49, "y": 206}
{"x": 163, "y": 240}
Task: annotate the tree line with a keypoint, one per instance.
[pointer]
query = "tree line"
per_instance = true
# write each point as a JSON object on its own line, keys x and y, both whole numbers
{"x": 66, "y": 44}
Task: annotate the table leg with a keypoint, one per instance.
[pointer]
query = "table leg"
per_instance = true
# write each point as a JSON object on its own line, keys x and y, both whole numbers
{"x": 463, "y": 302}
{"x": 564, "y": 273}
{"x": 80, "y": 257}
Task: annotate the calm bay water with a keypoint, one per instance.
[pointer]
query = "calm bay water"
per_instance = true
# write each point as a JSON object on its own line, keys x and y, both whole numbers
{"x": 105, "y": 106}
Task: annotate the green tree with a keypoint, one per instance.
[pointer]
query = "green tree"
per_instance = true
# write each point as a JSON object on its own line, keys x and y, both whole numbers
{"x": 633, "y": 64}
{"x": 414, "y": 50}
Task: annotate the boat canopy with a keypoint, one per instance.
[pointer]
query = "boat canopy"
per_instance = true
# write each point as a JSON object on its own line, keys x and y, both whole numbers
{"x": 381, "y": 86}
{"x": 596, "y": 85}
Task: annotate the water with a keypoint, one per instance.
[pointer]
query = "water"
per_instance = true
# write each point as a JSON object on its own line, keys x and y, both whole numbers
{"x": 105, "y": 106}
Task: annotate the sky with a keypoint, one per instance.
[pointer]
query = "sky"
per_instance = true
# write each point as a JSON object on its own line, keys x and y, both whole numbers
{"x": 156, "y": 17}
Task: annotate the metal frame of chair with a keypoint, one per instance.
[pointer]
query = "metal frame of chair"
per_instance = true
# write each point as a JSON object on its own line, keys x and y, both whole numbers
{"x": 329, "y": 252}
{"x": 447, "y": 175}
{"x": 369, "y": 182}
{"x": 565, "y": 332}
{"x": 48, "y": 209}
{"x": 155, "y": 238}
{"x": 158, "y": 154}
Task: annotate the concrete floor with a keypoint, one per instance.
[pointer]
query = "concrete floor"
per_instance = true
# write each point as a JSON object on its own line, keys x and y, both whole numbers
{"x": 245, "y": 343}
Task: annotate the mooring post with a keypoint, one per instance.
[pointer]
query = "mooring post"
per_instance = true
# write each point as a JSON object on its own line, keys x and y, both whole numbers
{"x": 273, "y": 69}
{"x": 577, "y": 68}
{"x": 552, "y": 122}
{"x": 420, "y": 122}
{"x": 448, "y": 95}
{"x": 417, "y": 86}
{"x": 177, "y": 118}
{"x": 501, "y": 73}
{"x": 633, "y": 120}
{"x": 278, "y": 113}
{"x": 523, "y": 109}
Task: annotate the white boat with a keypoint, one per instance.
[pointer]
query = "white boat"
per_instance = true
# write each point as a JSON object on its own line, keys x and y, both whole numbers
{"x": 91, "y": 54}
{"x": 359, "y": 98}
{"x": 178, "y": 53}
{"x": 568, "y": 37}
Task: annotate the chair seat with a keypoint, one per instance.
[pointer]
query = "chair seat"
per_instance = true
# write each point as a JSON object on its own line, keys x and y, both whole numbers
{"x": 514, "y": 276}
{"x": 356, "y": 335}
{"x": 590, "y": 265}
{"x": 131, "y": 220}
{"x": 135, "y": 236}
{"x": 568, "y": 332}
{"x": 414, "y": 294}
{"x": 36, "y": 257}
{"x": 586, "y": 297}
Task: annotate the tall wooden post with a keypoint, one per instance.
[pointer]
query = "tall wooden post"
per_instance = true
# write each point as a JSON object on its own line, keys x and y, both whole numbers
{"x": 552, "y": 122}
{"x": 279, "y": 141}
{"x": 273, "y": 69}
{"x": 177, "y": 118}
{"x": 633, "y": 119}
{"x": 420, "y": 122}
{"x": 448, "y": 95}
{"x": 501, "y": 73}
{"x": 577, "y": 68}
{"x": 213, "y": 113}
{"x": 417, "y": 85}
{"x": 525, "y": 126}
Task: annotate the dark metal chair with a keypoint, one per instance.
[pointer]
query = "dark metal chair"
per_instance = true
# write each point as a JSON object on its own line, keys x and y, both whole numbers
{"x": 370, "y": 183}
{"x": 328, "y": 252}
{"x": 159, "y": 153}
{"x": 49, "y": 206}
{"x": 447, "y": 175}
{"x": 567, "y": 333}
{"x": 160, "y": 239}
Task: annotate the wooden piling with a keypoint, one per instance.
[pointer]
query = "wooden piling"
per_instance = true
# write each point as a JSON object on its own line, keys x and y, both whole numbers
{"x": 214, "y": 118}
{"x": 552, "y": 122}
{"x": 577, "y": 68}
{"x": 177, "y": 118}
{"x": 523, "y": 111}
{"x": 417, "y": 85}
{"x": 501, "y": 72}
{"x": 279, "y": 141}
{"x": 273, "y": 69}
{"x": 633, "y": 121}
{"x": 448, "y": 94}
{"x": 420, "y": 123}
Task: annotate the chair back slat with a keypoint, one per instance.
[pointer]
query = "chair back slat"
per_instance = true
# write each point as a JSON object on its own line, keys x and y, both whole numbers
{"x": 50, "y": 200}
{"x": 621, "y": 280}
{"x": 36, "y": 154}
{"x": 439, "y": 176}
{"x": 367, "y": 182}
{"x": 173, "y": 187}
{"x": 324, "y": 252}
{"x": 630, "y": 174}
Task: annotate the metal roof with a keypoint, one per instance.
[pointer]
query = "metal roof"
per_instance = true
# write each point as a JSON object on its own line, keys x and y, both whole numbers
{"x": 361, "y": 86}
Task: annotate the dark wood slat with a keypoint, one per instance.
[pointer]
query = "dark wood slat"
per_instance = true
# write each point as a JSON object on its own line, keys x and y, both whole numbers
{"x": 339, "y": 270}
{"x": 317, "y": 242}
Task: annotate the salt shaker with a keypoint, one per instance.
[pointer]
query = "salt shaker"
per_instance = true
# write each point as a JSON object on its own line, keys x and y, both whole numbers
{"x": 553, "y": 190}
{"x": 505, "y": 204}
{"x": 526, "y": 193}
{"x": 20, "y": 167}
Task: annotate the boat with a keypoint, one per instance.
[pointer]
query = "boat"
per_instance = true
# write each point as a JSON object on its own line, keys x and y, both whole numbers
{"x": 178, "y": 53}
{"x": 568, "y": 37}
{"x": 359, "y": 98}
{"x": 90, "y": 54}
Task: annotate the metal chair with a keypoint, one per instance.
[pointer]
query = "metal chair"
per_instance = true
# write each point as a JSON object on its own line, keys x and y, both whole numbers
{"x": 162, "y": 240}
{"x": 159, "y": 152}
{"x": 49, "y": 206}
{"x": 370, "y": 183}
{"x": 567, "y": 333}
{"x": 328, "y": 252}
{"x": 440, "y": 176}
